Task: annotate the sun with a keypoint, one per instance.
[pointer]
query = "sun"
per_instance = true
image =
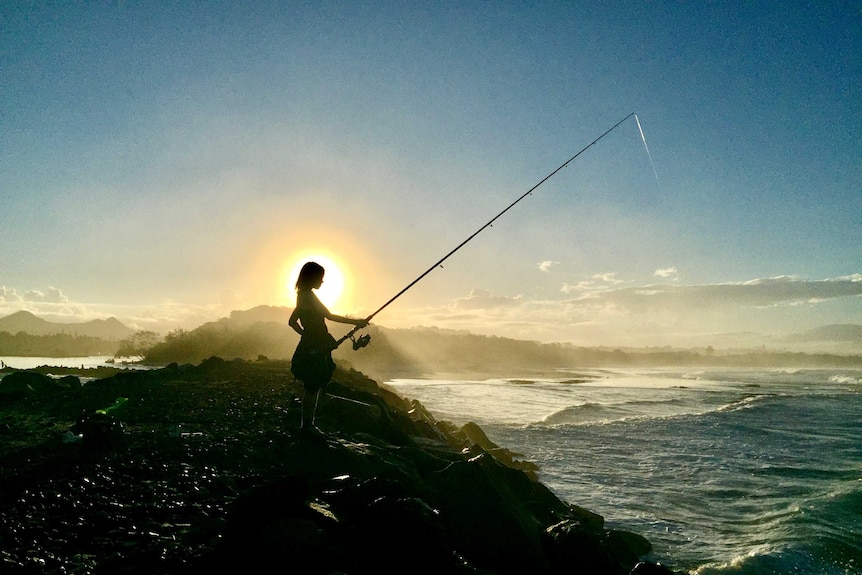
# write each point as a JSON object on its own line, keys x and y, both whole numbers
{"x": 333, "y": 278}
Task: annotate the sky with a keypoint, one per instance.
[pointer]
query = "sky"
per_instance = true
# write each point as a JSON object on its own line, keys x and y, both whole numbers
{"x": 167, "y": 163}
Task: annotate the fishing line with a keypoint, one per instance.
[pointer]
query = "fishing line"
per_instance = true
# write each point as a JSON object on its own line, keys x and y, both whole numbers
{"x": 365, "y": 339}
{"x": 646, "y": 147}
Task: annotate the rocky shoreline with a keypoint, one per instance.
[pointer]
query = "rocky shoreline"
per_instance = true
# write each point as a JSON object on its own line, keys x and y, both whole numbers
{"x": 199, "y": 469}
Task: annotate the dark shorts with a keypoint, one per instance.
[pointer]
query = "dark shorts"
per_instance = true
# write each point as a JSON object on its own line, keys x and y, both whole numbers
{"x": 312, "y": 364}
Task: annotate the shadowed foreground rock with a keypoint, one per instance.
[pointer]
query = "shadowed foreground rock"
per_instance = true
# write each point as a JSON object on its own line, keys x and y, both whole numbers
{"x": 208, "y": 475}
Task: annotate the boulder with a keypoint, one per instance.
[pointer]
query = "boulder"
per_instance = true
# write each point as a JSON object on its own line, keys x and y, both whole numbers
{"x": 647, "y": 568}
{"x": 479, "y": 510}
{"x": 578, "y": 547}
{"x": 627, "y": 547}
{"x": 71, "y": 382}
{"x": 26, "y": 383}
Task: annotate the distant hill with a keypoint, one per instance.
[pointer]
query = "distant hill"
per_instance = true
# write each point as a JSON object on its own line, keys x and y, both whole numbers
{"x": 259, "y": 314}
{"x": 843, "y": 332}
{"x": 108, "y": 329}
{"x": 418, "y": 352}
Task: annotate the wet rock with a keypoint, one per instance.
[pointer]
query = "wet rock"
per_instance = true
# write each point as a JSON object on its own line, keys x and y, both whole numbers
{"x": 23, "y": 383}
{"x": 627, "y": 547}
{"x": 475, "y": 435}
{"x": 494, "y": 529}
{"x": 580, "y": 548}
{"x": 71, "y": 382}
{"x": 647, "y": 568}
{"x": 100, "y": 431}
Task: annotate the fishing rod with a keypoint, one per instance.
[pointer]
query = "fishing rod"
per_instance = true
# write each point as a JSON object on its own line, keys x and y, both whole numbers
{"x": 364, "y": 340}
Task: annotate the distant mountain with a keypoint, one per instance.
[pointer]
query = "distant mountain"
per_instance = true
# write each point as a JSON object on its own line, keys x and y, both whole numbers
{"x": 109, "y": 329}
{"x": 842, "y": 332}
{"x": 418, "y": 352}
{"x": 259, "y": 314}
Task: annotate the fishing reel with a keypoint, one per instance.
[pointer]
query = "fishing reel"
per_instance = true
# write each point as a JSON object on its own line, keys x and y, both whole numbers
{"x": 361, "y": 342}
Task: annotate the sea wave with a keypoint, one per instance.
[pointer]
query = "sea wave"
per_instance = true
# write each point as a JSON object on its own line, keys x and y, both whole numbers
{"x": 613, "y": 411}
{"x": 771, "y": 560}
{"x": 747, "y": 402}
{"x": 581, "y": 414}
{"x": 643, "y": 409}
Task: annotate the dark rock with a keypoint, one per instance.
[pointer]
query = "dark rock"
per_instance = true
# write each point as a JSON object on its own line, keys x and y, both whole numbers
{"x": 212, "y": 364}
{"x": 580, "y": 548}
{"x": 100, "y": 431}
{"x": 273, "y": 528}
{"x": 475, "y": 435}
{"x": 627, "y": 547}
{"x": 71, "y": 382}
{"x": 22, "y": 383}
{"x": 647, "y": 568}
{"x": 585, "y": 517}
{"x": 491, "y": 525}
{"x": 414, "y": 539}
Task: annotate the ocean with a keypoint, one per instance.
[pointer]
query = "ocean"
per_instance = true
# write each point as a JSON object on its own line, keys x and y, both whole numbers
{"x": 742, "y": 471}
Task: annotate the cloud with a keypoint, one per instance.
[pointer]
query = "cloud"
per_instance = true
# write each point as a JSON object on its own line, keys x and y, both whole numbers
{"x": 546, "y": 265}
{"x": 602, "y": 311}
{"x": 50, "y": 304}
{"x": 481, "y": 299}
{"x": 609, "y": 278}
{"x": 9, "y": 295}
{"x": 52, "y": 295}
{"x": 666, "y": 272}
{"x": 782, "y": 291}
{"x": 597, "y": 282}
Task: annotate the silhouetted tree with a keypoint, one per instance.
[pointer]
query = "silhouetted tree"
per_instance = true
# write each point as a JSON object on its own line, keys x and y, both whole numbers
{"x": 138, "y": 344}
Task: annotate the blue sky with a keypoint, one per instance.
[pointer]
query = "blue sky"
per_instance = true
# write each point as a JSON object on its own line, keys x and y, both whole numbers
{"x": 167, "y": 164}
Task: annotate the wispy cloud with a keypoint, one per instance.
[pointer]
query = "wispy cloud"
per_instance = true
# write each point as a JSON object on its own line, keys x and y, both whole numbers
{"x": 666, "y": 272}
{"x": 9, "y": 295}
{"x": 480, "y": 299}
{"x": 603, "y": 311}
{"x": 761, "y": 292}
{"x": 609, "y": 278}
{"x": 546, "y": 265}
{"x": 51, "y": 295}
{"x": 597, "y": 282}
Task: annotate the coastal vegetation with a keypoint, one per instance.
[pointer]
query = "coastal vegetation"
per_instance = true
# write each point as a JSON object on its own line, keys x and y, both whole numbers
{"x": 418, "y": 352}
{"x": 56, "y": 345}
{"x": 415, "y": 352}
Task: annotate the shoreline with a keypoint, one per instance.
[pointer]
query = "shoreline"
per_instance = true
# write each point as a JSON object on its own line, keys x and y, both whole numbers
{"x": 444, "y": 493}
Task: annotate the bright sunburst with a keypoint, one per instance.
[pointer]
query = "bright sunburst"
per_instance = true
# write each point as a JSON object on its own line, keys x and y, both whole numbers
{"x": 333, "y": 279}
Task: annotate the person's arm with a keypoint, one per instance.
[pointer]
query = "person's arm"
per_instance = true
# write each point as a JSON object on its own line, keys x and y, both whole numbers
{"x": 338, "y": 318}
{"x": 294, "y": 322}
{"x": 343, "y": 319}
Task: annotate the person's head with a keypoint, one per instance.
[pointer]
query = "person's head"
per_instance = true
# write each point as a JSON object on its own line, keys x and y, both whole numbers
{"x": 310, "y": 276}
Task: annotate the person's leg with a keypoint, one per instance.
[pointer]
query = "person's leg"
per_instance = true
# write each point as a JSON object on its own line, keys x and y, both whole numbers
{"x": 309, "y": 409}
{"x": 309, "y": 400}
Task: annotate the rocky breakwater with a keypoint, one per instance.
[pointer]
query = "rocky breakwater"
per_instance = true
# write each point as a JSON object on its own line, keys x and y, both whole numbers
{"x": 199, "y": 469}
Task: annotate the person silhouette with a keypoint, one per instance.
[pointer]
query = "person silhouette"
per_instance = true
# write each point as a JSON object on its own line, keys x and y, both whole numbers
{"x": 312, "y": 362}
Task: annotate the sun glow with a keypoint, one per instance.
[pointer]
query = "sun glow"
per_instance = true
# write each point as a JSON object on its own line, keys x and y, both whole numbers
{"x": 333, "y": 278}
